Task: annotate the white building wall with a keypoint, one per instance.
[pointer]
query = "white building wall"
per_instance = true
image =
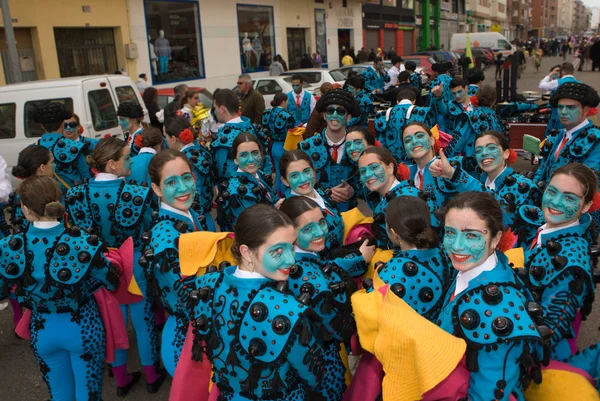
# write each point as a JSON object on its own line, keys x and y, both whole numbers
{"x": 595, "y": 18}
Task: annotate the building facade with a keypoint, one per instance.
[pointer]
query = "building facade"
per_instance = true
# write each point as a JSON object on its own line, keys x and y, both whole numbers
{"x": 582, "y": 16}
{"x": 521, "y": 19}
{"x": 387, "y": 24}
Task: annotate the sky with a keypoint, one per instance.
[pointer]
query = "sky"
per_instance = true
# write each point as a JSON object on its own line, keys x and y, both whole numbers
{"x": 592, "y": 3}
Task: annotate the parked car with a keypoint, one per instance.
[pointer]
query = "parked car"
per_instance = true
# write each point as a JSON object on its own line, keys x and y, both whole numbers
{"x": 495, "y": 40}
{"x": 315, "y": 77}
{"x": 359, "y": 68}
{"x": 270, "y": 86}
{"x": 440, "y": 56}
{"x": 166, "y": 96}
{"x": 95, "y": 99}
{"x": 483, "y": 55}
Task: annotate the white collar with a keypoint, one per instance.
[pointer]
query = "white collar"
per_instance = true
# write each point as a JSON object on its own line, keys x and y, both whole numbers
{"x": 301, "y": 94}
{"x": 394, "y": 184}
{"x": 45, "y": 224}
{"x": 570, "y": 132}
{"x": 147, "y": 150}
{"x": 419, "y": 170}
{"x": 331, "y": 143}
{"x": 189, "y": 145}
{"x": 463, "y": 278}
{"x": 564, "y": 76}
{"x": 317, "y": 198}
{"x": 246, "y": 274}
{"x": 235, "y": 120}
{"x": 239, "y": 170}
{"x": 163, "y": 205}
{"x": 492, "y": 184}
{"x": 545, "y": 231}
{"x": 106, "y": 177}
{"x": 405, "y": 101}
{"x": 297, "y": 249}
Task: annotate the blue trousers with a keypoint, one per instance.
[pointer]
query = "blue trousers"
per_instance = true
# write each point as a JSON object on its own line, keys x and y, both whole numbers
{"x": 142, "y": 320}
{"x": 70, "y": 349}
{"x": 210, "y": 222}
{"x": 163, "y": 64}
{"x": 277, "y": 152}
{"x": 173, "y": 337}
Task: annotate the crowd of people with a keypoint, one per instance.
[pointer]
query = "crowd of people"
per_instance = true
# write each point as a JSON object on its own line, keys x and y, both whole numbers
{"x": 238, "y": 244}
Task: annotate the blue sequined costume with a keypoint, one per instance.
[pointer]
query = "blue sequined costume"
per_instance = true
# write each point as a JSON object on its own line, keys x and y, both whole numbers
{"x": 139, "y": 168}
{"x": 56, "y": 271}
{"x": 15, "y": 212}
{"x": 479, "y": 120}
{"x": 302, "y": 114}
{"x": 374, "y": 79}
{"x": 455, "y": 117}
{"x": 554, "y": 122}
{"x": 416, "y": 81}
{"x": 202, "y": 163}
{"x": 70, "y": 166}
{"x": 130, "y": 139}
{"x": 366, "y": 109}
{"x": 260, "y": 341}
{"x": 277, "y": 122}
{"x": 472, "y": 90}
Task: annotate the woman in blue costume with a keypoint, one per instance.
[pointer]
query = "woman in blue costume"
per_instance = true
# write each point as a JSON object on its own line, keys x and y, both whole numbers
{"x": 246, "y": 186}
{"x": 327, "y": 149}
{"x": 557, "y": 262}
{"x": 277, "y": 121}
{"x": 377, "y": 168}
{"x": 357, "y": 140}
{"x": 130, "y": 119}
{"x": 325, "y": 284}
{"x": 440, "y": 77}
{"x": 67, "y": 335}
{"x": 487, "y": 304}
{"x": 69, "y": 156}
{"x": 260, "y": 340}
{"x": 173, "y": 182}
{"x": 115, "y": 211}
{"x": 419, "y": 271}
{"x": 355, "y": 85}
{"x": 180, "y": 137}
{"x": 149, "y": 142}
{"x": 73, "y": 130}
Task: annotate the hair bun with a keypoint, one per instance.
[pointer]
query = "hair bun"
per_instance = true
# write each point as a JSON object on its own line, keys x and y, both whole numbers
{"x": 54, "y": 210}
{"x": 273, "y": 104}
{"x": 20, "y": 172}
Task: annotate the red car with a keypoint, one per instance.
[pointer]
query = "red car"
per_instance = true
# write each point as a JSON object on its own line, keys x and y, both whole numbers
{"x": 421, "y": 61}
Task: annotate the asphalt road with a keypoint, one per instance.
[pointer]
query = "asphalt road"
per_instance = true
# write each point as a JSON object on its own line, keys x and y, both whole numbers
{"x": 20, "y": 378}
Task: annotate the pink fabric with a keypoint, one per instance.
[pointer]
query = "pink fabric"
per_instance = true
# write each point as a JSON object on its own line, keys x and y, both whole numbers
{"x": 444, "y": 139}
{"x": 17, "y": 311}
{"x": 576, "y": 328}
{"x": 121, "y": 376}
{"x": 358, "y": 232}
{"x": 355, "y": 347}
{"x": 366, "y": 382}
{"x": 191, "y": 380}
{"x": 22, "y": 328}
{"x": 453, "y": 388}
{"x": 123, "y": 260}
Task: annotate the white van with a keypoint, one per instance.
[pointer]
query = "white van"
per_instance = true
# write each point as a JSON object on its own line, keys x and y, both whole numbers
{"x": 494, "y": 40}
{"x": 95, "y": 99}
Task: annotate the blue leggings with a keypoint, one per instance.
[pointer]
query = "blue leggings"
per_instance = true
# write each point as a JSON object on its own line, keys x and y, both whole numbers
{"x": 70, "y": 348}
{"x": 142, "y": 319}
{"x": 277, "y": 152}
{"x": 173, "y": 337}
{"x": 163, "y": 64}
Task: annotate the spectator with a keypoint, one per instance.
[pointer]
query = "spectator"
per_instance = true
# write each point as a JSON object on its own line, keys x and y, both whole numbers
{"x": 188, "y": 102}
{"x": 276, "y": 68}
{"x": 5, "y": 182}
{"x": 403, "y": 84}
{"x": 253, "y": 103}
{"x": 151, "y": 101}
{"x": 499, "y": 63}
{"x": 316, "y": 122}
{"x": 392, "y": 53}
{"x": 171, "y": 109}
{"x": 393, "y": 72}
{"x": 347, "y": 60}
{"x": 380, "y": 53}
{"x": 595, "y": 55}
{"x": 306, "y": 62}
{"x": 343, "y": 52}
{"x": 362, "y": 55}
{"x": 372, "y": 55}
{"x": 564, "y": 50}
{"x": 142, "y": 82}
{"x": 353, "y": 55}
{"x": 317, "y": 60}
{"x": 586, "y": 51}
{"x": 282, "y": 61}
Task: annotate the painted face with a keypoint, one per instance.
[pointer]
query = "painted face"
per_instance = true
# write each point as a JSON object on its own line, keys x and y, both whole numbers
{"x": 71, "y": 129}
{"x": 569, "y": 112}
{"x": 313, "y": 230}
{"x": 489, "y": 154}
{"x": 297, "y": 86}
{"x": 417, "y": 143}
{"x": 300, "y": 177}
{"x": 336, "y": 116}
{"x": 248, "y": 157}
{"x": 177, "y": 186}
{"x": 124, "y": 123}
{"x": 555, "y": 76}
{"x": 355, "y": 145}
{"x": 458, "y": 93}
{"x": 562, "y": 202}
{"x": 373, "y": 174}
{"x": 350, "y": 89}
{"x": 466, "y": 239}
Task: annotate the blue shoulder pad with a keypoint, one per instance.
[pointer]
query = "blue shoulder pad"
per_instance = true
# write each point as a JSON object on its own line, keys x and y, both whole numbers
{"x": 240, "y": 187}
{"x": 201, "y": 159}
{"x": 201, "y": 300}
{"x": 165, "y": 234}
{"x": 482, "y": 120}
{"x": 454, "y": 110}
{"x": 78, "y": 206}
{"x": 516, "y": 190}
{"x": 493, "y": 314}
{"x": 549, "y": 143}
{"x": 227, "y": 135}
{"x": 306, "y": 276}
{"x": 532, "y": 215}
{"x": 65, "y": 150}
{"x": 421, "y": 114}
{"x": 271, "y": 317}
{"x": 284, "y": 119}
{"x": 74, "y": 253}
{"x": 13, "y": 260}
{"x": 133, "y": 199}
{"x": 584, "y": 141}
{"x": 380, "y": 122}
{"x": 315, "y": 148}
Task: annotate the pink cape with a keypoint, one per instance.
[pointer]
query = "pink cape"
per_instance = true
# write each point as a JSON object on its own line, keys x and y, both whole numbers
{"x": 123, "y": 259}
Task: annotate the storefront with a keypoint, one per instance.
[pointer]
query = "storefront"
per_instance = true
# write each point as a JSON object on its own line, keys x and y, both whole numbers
{"x": 389, "y": 24}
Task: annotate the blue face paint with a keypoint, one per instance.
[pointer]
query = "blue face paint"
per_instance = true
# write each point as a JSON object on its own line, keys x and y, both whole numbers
{"x": 278, "y": 257}
{"x": 355, "y": 148}
{"x": 414, "y": 141}
{"x": 312, "y": 232}
{"x": 246, "y": 158}
{"x": 350, "y": 89}
{"x": 554, "y": 76}
{"x": 124, "y": 123}
{"x": 302, "y": 182}
{"x": 560, "y": 207}
{"x": 489, "y": 157}
{"x": 467, "y": 246}
{"x": 297, "y": 88}
{"x": 336, "y": 114}
{"x": 179, "y": 191}
{"x": 373, "y": 171}
{"x": 570, "y": 113}
{"x": 459, "y": 95}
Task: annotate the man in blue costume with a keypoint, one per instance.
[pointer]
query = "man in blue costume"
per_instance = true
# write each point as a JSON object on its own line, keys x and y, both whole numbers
{"x": 415, "y": 77}
{"x": 375, "y": 77}
{"x": 452, "y": 114}
{"x": 355, "y": 85}
{"x": 300, "y": 102}
{"x": 558, "y": 75}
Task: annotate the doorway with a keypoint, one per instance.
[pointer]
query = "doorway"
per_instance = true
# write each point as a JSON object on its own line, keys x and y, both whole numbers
{"x": 296, "y": 43}
{"x": 344, "y": 36}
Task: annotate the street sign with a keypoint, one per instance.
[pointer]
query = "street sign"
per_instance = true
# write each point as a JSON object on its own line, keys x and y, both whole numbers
{"x": 496, "y": 27}
{"x": 469, "y": 13}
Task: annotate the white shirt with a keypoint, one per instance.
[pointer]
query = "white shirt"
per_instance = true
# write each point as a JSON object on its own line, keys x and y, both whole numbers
{"x": 147, "y": 150}
{"x": 141, "y": 84}
{"x": 239, "y": 170}
{"x": 235, "y": 120}
{"x": 463, "y": 278}
{"x": 163, "y": 205}
{"x": 548, "y": 84}
{"x": 45, "y": 224}
{"x": 300, "y": 250}
{"x": 468, "y": 107}
{"x": 300, "y": 95}
{"x": 341, "y": 146}
{"x": 545, "y": 231}
{"x": 107, "y": 177}
{"x": 405, "y": 101}
{"x": 492, "y": 184}
{"x": 417, "y": 178}
{"x": 569, "y": 134}
{"x": 246, "y": 274}
{"x": 317, "y": 198}
{"x": 394, "y": 185}
{"x": 189, "y": 145}
{"x": 393, "y": 74}
{"x": 5, "y": 183}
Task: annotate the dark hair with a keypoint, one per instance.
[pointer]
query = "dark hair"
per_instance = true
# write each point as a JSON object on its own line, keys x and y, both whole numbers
{"x": 584, "y": 175}
{"x": 482, "y": 203}
{"x": 293, "y": 156}
{"x": 76, "y": 117}
{"x": 404, "y": 76}
{"x": 142, "y": 75}
{"x": 186, "y": 97}
{"x": 52, "y": 126}
{"x": 151, "y": 136}
{"x": 159, "y": 160}
{"x": 255, "y": 224}
{"x": 406, "y": 94}
{"x": 456, "y": 82}
{"x": 176, "y": 125}
{"x": 228, "y": 99}
{"x": 42, "y": 196}
{"x": 106, "y": 150}
{"x": 367, "y": 135}
{"x": 554, "y": 66}
{"x": 278, "y": 99}
{"x": 474, "y": 76}
{"x": 567, "y": 68}
{"x": 355, "y": 80}
{"x": 486, "y": 96}
{"x": 384, "y": 155}
{"x": 396, "y": 59}
{"x": 410, "y": 65}
{"x": 296, "y": 206}
{"x": 297, "y": 77}
{"x": 377, "y": 59}
{"x": 418, "y": 124}
{"x": 150, "y": 96}
{"x": 30, "y": 160}
{"x": 498, "y": 136}
{"x": 410, "y": 218}
{"x": 244, "y": 137}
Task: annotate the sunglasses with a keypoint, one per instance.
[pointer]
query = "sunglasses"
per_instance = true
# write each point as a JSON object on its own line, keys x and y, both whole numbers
{"x": 339, "y": 110}
{"x": 71, "y": 125}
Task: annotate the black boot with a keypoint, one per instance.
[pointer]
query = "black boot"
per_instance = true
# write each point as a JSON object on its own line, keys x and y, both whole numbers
{"x": 123, "y": 391}
{"x": 154, "y": 387}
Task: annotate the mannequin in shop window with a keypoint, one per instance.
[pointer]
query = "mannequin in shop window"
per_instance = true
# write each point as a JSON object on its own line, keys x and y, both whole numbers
{"x": 258, "y": 49}
{"x": 247, "y": 50}
{"x": 163, "y": 51}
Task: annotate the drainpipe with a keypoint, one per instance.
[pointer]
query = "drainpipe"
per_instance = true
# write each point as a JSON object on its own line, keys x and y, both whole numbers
{"x": 425, "y": 25}
{"x": 436, "y": 16}
{"x": 14, "y": 67}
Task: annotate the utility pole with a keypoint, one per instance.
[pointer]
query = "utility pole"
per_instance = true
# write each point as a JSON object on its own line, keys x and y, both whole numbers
{"x": 436, "y": 18}
{"x": 426, "y": 25}
{"x": 12, "y": 62}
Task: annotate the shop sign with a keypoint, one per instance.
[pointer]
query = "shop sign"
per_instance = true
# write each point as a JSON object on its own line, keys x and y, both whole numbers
{"x": 390, "y": 25}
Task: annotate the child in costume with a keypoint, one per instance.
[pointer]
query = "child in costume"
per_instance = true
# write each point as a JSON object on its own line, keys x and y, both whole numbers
{"x": 130, "y": 119}
{"x": 149, "y": 142}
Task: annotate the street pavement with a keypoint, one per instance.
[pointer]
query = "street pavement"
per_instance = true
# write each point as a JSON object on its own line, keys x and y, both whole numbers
{"x": 20, "y": 378}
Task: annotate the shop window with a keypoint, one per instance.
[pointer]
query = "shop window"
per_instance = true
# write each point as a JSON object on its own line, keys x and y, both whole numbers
{"x": 174, "y": 40}
{"x": 389, "y": 3}
{"x": 256, "y": 37}
{"x": 8, "y": 118}
{"x": 33, "y": 129}
{"x": 104, "y": 115}
{"x": 321, "y": 33}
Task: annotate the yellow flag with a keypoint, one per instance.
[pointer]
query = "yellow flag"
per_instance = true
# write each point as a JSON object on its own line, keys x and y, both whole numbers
{"x": 468, "y": 52}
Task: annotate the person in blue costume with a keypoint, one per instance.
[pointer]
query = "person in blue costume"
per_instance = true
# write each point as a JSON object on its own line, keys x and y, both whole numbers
{"x": 67, "y": 335}
{"x": 115, "y": 211}
{"x": 482, "y": 118}
{"x": 452, "y": 116}
{"x": 69, "y": 156}
{"x": 173, "y": 182}
{"x": 130, "y": 120}
{"x": 579, "y": 141}
{"x": 415, "y": 77}
{"x": 419, "y": 271}
{"x": 277, "y": 121}
{"x": 357, "y": 140}
{"x": 328, "y": 284}
{"x": 377, "y": 169}
{"x": 557, "y": 263}
{"x": 179, "y": 136}
{"x": 245, "y": 187}
{"x": 475, "y": 78}
{"x": 487, "y": 305}
{"x": 150, "y": 142}
{"x": 559, "y": 74}
{"x": 300, "y": 103}
{"x": 227, "y": 107}
{"x": 355, "y": 85}
{"x": 270, "y": 349}
{"x": 375, "y": 77}
{"x": 439, "y": 77}
{"x": 390, "y": 124}
{"x": 73, "y": 130}
{"x": 327, "y": 149}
